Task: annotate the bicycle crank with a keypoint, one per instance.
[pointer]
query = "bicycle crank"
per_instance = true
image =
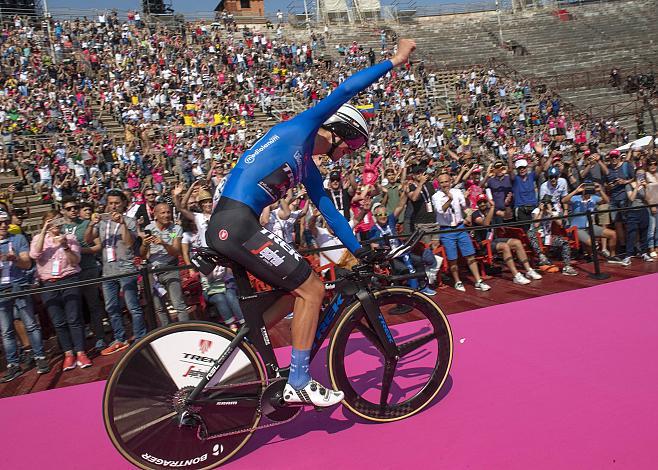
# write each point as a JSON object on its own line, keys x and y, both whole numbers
{"x": 270, "y": 405}
{"x": 274, "y": 406}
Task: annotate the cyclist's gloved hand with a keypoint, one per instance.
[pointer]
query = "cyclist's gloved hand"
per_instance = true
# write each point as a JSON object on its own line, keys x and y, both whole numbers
{"x": 365, "y": 254}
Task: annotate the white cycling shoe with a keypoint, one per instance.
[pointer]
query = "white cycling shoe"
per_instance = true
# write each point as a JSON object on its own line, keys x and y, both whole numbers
{"x": 312, "y": 394}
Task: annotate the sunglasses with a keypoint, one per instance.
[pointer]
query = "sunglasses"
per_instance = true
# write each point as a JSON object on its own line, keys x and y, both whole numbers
{"x": 72, "y": 208}
{"x": 149, "y": 194}
{"x": 347, "y": 134}
{"x": 381, "y": 214}
{"x": 4, "y": 222}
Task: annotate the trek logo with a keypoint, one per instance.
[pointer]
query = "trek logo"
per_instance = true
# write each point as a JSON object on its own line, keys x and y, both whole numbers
{"x": 197, "y": 358}
{"x": 282, "y": 244}
{"x": 266, "y": 338}
{"x": 174, "y": 463}
{"x": 204, "y": 345}
{"x": 385, "y": 327}
{"x": 332, "y": 310}
{"x": 277, "y": 183}
{"x": 270, "y": 256}
{"x": 194, "y": 373}
{"x": 261, "y": 148}
{"x": 217, "y": 449}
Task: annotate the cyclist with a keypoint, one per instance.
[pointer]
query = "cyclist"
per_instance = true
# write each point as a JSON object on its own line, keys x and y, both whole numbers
{"x": 278, "y": 161}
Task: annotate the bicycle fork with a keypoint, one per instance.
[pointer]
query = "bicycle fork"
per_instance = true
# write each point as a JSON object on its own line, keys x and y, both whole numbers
{"x": 378, "y": 324}
{"x": 382, "y": 338}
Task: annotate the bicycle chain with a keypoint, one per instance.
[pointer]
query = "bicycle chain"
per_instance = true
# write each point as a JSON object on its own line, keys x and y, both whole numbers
{"x": 259, "y": 410}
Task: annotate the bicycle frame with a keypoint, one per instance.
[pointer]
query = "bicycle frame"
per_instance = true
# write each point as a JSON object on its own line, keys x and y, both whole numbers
{"x": 255, "y": 303}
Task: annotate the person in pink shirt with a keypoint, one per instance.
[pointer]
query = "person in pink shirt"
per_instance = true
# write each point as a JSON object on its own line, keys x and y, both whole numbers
{"x": 57, "y": 257}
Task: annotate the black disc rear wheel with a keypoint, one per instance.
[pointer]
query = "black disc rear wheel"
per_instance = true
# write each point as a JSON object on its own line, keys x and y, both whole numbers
{"x": 388, "y": 389}
{"x": 148, "y": 387}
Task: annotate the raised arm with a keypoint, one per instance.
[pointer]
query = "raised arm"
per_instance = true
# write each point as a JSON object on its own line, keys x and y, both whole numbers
{"x": 335, "y": 219}
{"x": 355, "y": 84}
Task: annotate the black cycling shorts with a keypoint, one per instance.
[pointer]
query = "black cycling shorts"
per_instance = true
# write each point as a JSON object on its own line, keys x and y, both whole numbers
{"x": 235, "y": 232}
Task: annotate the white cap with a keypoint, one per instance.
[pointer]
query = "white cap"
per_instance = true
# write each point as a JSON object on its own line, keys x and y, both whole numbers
{"x": 520, "y": 163}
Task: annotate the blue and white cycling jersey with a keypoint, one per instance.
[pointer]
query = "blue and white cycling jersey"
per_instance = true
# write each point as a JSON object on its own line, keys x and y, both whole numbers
{"x": 283, "y": 158}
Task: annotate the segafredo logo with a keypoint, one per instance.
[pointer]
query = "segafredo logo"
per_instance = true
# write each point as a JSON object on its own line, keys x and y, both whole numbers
{"x": 261, "y": 148}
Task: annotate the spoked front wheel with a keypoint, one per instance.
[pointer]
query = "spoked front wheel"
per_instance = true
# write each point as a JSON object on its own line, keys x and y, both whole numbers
{"x": 146, "y": 392}
{"x": 384, "y": 389}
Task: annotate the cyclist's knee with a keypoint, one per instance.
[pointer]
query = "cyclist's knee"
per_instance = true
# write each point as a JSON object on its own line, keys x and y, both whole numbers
{"x": 311, "y": 289}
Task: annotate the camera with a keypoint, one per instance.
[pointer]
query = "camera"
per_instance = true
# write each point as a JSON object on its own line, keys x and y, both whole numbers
{"x": 590, "y": 188}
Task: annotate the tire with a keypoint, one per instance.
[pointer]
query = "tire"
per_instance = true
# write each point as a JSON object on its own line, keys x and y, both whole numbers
{"x": 138, "y": 403}
{"x": 356, "y": 365}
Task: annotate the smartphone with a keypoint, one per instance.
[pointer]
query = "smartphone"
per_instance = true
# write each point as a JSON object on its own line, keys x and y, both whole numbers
{"x": 57, "y": 222}
{"x": 148, "y": 233}
{"x": 106, "y": 216}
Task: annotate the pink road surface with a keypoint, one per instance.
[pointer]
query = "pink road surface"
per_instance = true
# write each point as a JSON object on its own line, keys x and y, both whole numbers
{"x": 566, "y": 381}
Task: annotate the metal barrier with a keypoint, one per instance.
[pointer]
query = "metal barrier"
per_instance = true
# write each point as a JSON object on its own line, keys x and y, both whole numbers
{"x": 145, "y": 270}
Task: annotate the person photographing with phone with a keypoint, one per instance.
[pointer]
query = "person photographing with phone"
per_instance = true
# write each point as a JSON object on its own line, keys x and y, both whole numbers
{"x": 57, "y": 257}
{"x": 117, "y": 233}
{"x": 586, "y": 198}
{"x": 161, "y": 246}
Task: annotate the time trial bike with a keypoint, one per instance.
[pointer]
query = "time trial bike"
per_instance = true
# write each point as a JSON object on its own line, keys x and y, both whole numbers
{"x": 191, "y": 394}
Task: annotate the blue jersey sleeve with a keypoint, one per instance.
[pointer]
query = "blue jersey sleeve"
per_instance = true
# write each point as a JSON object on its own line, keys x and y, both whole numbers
{"x": 358, "y": 82}
{"x": 335, "y": 219}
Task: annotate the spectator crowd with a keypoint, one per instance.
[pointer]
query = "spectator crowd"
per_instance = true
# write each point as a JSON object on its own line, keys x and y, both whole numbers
{"x": 187, "y": 100}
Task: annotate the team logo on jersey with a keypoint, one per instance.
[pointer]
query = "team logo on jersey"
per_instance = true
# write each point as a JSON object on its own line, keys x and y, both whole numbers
{"x": 277, "y": 183}
{"x": 204, "y": 345}
{"x": 267, "y": 254}
{"x": 259, "y": 148}
{"x": 223, "y": 234}
{"x": 280, "y": 243}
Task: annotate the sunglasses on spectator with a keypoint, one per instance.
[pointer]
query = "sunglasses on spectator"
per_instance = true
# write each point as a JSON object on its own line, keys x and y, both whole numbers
{"x": 149, "y": 194}
{"x": 381, "y": 214}
{"x": 72, "y": 208}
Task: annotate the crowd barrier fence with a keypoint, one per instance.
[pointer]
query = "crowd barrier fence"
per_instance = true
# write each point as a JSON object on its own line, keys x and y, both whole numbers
{"x": 145, "y": 271}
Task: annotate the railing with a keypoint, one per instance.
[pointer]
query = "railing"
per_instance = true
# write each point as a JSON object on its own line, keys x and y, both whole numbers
{"x": 145, "y": 269}
{"x": 597, "y": 77}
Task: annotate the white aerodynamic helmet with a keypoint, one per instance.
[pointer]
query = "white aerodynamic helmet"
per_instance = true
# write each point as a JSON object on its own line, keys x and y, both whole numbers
{"x": 349, "y": 124}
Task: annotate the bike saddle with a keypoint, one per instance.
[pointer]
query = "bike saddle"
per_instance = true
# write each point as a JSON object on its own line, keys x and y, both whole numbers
{"x": 206, "y": 259}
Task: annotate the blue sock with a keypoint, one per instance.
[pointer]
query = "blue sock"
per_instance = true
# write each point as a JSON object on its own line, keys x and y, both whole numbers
{"x": 299, "y": 363}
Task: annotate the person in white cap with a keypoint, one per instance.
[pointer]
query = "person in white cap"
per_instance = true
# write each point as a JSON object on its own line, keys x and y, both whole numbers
{"x": 523, "y": 187}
